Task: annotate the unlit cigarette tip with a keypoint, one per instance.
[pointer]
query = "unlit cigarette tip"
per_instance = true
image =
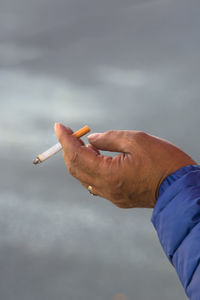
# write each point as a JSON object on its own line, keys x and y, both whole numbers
{"x": 36, "y": 161}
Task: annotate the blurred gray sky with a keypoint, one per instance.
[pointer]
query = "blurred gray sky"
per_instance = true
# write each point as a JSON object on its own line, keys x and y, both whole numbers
{"x": 111, "y": 65}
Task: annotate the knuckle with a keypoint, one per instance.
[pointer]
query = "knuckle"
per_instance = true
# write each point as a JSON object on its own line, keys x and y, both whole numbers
{"x": 73, "y": 164}
{"x": 110, "y": 132}
{"x": 74, "y": 158}
{"x": 71, "y": 170}
{"x": 115, "y": 183}
{"x": 140, "y": 135}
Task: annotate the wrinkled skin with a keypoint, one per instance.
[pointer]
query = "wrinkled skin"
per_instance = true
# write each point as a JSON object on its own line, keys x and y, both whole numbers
{"x": 131, "y": 178}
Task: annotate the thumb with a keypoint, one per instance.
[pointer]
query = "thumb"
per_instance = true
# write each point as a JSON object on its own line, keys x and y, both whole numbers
{"x": 65, "y": 136}
{"x": 112, "y": 140}
{"x": 61, "y": 129}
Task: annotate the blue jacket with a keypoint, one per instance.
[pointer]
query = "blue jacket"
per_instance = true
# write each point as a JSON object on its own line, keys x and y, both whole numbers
{"x": 176, "y": 218}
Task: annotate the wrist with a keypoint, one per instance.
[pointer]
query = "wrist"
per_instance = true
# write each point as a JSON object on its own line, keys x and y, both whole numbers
{"x": 175, "y": 175}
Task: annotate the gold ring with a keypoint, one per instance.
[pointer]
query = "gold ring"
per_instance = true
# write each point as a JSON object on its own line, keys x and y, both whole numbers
{"x": 90, "y": 190}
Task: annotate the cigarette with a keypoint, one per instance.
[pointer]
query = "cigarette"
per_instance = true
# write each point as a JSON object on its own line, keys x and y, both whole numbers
{"x": 56, "y": 148}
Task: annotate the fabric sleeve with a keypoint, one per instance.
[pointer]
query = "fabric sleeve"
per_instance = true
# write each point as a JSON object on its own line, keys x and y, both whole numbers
{"x": 176, "y": 218}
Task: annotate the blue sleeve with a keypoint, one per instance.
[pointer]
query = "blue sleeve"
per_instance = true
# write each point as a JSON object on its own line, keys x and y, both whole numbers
{"x": 176, "y": 218}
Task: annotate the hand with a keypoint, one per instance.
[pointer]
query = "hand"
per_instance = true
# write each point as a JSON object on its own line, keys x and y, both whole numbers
{"x": 131, "y": 178}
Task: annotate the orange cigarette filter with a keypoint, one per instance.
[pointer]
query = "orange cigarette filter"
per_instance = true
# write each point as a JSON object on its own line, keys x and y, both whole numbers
{"x": 81, "y": 132}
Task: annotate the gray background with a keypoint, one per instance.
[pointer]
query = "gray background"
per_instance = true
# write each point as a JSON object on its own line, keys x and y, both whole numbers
{"x": 111, "y": 64}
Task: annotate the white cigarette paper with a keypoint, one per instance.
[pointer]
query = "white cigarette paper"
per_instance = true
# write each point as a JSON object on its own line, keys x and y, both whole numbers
{"x": 50, "y": 152}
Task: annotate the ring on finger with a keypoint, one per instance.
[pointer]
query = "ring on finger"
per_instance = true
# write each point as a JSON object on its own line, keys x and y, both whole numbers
{"x": 90, "y": 190}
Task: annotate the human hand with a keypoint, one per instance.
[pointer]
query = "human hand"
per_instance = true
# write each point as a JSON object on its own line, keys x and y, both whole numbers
{"x": 131, "y": 178}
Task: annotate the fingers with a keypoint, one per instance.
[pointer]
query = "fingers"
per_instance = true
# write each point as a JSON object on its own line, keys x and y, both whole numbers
{"x": 93, "y": 148}
{"x": 64, "y": 135}
{"x": 113, "y": 140}
{"x": 103, "y": 173}
{"x": 86, "y": 163}
{"x": 82, "y": 162}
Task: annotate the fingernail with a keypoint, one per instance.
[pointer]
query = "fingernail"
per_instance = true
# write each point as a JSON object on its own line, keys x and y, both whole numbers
{"x": 93, "y": 136}
{"x": 56, "y": 126}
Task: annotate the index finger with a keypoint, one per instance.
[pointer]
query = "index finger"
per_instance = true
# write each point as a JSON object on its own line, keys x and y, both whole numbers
{"x": 83, "y": 162}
